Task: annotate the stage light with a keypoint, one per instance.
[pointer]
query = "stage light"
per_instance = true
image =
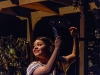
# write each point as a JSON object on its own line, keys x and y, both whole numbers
{"x": 59, "y": 22}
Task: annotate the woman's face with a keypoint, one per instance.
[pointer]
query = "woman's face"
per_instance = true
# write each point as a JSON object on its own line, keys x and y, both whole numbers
{"x": 39, "y": 48}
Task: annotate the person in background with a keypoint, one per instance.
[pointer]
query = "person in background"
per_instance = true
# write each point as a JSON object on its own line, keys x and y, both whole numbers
{"x": 47, "y": 60}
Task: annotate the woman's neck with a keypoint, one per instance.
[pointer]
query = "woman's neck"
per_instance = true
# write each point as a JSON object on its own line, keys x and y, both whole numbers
{"x": 43, "y": 60}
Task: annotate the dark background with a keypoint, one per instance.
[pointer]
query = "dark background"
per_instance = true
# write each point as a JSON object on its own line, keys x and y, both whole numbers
{"x": 12, "y": 25}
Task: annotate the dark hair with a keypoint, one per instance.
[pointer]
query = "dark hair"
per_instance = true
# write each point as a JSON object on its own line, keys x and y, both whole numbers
{"x": 49, "y": 44}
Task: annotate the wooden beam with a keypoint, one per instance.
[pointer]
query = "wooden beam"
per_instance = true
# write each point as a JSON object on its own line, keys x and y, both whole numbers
{"x": 16, "y": 12}
{"x": 29, "y": 1}
{"x": 93, "y": 6}
{"x": 68, "y": 10}
{"x": 81, "y": 43}
{"x": 6, "y": 4}
{"x": 38, "y": 6}
{"x": 32, "y": 4}
{"x": 64, "y": 2}
{"x": 8, "y": 11}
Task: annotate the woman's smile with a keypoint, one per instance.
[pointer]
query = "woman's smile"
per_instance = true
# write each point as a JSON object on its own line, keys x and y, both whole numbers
{"x": 36, "y": 51}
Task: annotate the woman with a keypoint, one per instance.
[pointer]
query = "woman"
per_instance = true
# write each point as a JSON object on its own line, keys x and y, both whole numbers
{"x": 48, "y": 62}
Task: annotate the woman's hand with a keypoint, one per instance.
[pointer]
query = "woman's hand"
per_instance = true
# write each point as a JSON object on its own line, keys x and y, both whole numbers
{"x": 73, "y": 31}
{"x": 57, "y": 42}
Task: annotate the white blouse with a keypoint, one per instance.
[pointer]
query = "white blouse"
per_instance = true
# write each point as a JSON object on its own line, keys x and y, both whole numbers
{"x": 63, "y": 64}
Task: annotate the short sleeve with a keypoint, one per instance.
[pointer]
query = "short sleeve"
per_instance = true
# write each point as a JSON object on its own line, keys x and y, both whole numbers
{"x": 32, "y": 67}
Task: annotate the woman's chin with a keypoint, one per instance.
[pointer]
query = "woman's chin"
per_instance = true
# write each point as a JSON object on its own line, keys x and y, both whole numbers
{"x": 37, "y": 54}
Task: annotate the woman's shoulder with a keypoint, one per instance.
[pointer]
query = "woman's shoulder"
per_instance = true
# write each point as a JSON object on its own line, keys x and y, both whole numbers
{"x": 34, "y": 65}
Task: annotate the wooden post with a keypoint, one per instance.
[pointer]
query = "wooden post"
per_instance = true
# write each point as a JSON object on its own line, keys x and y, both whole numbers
{"x": 81, "y": 44}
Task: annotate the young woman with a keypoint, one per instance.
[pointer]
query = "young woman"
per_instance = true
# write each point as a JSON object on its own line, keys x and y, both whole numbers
{"x": 48, "y": 62}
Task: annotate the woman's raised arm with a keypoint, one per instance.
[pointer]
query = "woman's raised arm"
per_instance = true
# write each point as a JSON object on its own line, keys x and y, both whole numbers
{"x": 71, "y": 57}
